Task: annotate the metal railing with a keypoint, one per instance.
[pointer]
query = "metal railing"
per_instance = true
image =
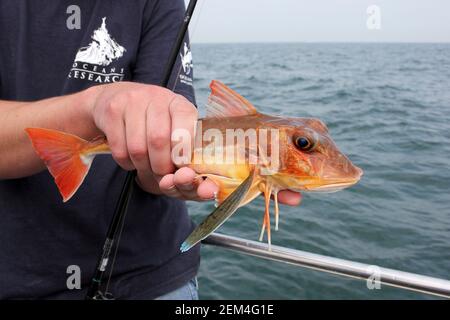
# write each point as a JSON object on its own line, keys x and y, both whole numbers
{"x": 390, "y": 277}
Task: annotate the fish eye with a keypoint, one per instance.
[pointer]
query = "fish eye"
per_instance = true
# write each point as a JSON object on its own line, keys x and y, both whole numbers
{"x": 303, "y": 143}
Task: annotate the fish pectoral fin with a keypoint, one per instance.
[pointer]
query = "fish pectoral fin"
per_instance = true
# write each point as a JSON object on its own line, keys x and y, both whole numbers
{"x": 220, "y": 214}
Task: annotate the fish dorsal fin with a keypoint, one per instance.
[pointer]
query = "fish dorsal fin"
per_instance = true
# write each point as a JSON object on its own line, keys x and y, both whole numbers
{"x": 224, "y": 102}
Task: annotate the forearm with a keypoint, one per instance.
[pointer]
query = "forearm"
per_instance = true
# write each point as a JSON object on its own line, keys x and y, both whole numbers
{"x": 69, "y": 113}
{"x": 7, "y": 105}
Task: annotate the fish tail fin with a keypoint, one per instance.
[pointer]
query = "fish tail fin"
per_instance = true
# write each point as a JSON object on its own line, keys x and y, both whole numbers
{"x": 62, "y": 154}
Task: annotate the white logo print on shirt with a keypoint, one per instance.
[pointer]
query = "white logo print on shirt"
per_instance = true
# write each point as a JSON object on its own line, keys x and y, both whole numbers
{"x": 91, "y": 61}
{"x": 186, "y": 60}
{"x": 102, "y": 50}
{"x": 186, "y": 63}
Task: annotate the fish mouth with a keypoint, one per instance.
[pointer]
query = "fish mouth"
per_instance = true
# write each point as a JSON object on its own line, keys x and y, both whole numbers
{"x": 333, "y": 187}
{"x": 324, "y": 186}
{"x": 320, "y": 184}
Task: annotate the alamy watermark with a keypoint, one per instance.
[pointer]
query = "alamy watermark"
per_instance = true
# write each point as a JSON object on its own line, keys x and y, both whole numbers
{"x": 74, "y": 279}
{"x": 373, "y": 21}
{"x": 373, "y": 282}
{"x": 73, "y": 21}
{"x": 228, "y": 147}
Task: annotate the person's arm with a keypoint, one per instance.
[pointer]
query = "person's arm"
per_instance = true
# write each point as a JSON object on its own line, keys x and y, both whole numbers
{"x": 137, "y": 119}
{"x": 69, "y": 113}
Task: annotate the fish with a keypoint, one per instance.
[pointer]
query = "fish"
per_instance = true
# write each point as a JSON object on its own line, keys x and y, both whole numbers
{"x": 264, "y": 155}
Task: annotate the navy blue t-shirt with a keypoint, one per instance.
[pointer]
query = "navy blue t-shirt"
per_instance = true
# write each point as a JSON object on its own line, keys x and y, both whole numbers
{"x": 53, "y": 48}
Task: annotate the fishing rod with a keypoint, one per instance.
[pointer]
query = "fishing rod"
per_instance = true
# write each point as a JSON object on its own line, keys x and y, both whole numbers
{"x": 374, "y": 274}
{"x": 116, "y": 225}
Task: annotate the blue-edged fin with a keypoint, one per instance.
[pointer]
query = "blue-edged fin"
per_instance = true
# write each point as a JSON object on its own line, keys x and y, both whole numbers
{"x": 220, "y": 214}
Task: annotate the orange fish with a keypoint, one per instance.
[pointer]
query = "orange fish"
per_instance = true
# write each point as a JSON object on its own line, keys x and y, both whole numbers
{"x": 244, "y": 152}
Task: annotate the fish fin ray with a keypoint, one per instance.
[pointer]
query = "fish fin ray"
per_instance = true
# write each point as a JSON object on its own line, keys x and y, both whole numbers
{"x": 266, "y": 219}
{"x": 224, "y": 102}
{"x": 277, "y": 210}
{"x": 219, "y": 215}
{"x": 61, "y": 153}
{"x": 267, "y": 194}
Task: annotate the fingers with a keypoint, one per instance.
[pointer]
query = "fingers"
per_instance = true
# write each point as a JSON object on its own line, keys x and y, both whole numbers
{"x": 184, "y": 117}
{"x": 207, "y": 189}
{"x": 148, "y": 182}
{"x": 158, "y": 128}
{"x": 178, "y": 122}
{"x": 179, "y": 185}
{"x": 290, "y": 198}
{"x": 186, "y": 184}
{"x": 167, "y": 187}
{"x": 136, "y": 137}
{"x": 138, "y": 121}
{"x": 114, "y": 130}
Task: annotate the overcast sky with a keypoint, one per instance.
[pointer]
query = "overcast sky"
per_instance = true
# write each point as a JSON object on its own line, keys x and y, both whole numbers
{"x": 320, "y": 20}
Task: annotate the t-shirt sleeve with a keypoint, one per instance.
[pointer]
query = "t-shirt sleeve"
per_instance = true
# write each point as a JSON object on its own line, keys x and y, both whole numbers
{"x": 162, "y": 20}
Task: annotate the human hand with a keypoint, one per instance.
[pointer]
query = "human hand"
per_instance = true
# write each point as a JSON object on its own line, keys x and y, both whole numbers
{"x": 138, "y": 120}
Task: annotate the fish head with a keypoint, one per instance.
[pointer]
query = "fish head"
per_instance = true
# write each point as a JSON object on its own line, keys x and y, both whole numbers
{"x": 310, "y": 159}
